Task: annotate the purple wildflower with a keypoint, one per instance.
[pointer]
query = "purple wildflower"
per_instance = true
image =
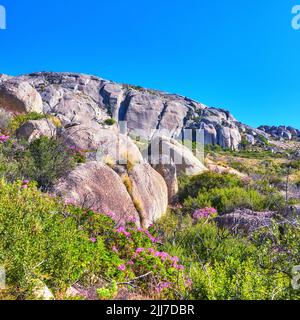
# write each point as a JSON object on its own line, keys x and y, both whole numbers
{"x": 162, "y": 286}
{"x": 4, "y": 138}
{"x": 122, "y": 267}
{"x": 204, "y": 213}
{"x": 115, "y": 249}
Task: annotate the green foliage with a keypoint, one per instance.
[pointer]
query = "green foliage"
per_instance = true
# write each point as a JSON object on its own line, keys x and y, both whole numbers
{"x": 109, "y": 292}
{"x": 191, "y": 186}
{"x": 231, "y": 267}
{"x": 295, "y": 164}
{"x": 43, "y": 160}
{"x": 226, "y": 200}
{"x": 226, "y": 192}
{"x": 263, "y": 140}
{"x": 110, "y": 122}
{"x": 44, "y": 241}
{"x": 17, "y": 121}
{"x": 39, "y": 240}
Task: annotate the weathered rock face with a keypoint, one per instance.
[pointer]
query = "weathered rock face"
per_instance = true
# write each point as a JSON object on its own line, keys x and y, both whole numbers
{"x": 283, "y": 132}
{"x": 79, "y": 99}
{"x": 4, "y": 77}
{"x": 96, "y": 186}
{"x": 19, "y": 97}
{"x": 167, "y": 169}
{"x": 245, "y": 221}
{"x": 35, "y": 129}
{"x": 177, "y": 153}
{"x": 103, "y": 144}
{"x": 149, "y": 191}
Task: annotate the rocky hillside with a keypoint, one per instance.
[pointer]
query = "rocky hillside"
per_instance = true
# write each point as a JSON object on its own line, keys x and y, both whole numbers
{"x": 85, "y": 111}
{"x": 106, "y": 215}
{"x": 78, "y": 99}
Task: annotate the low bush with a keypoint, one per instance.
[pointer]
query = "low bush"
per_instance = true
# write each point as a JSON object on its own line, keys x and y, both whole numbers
{"x": 42, "y": 240}
{"x": 17, "y": 121}
{"x": 191, "y": 186}
{"x": 225, "y": 200}
{"x": 222, "y": 266}
{"x": 43, "y": 160}
{"x": 110, "y": 122}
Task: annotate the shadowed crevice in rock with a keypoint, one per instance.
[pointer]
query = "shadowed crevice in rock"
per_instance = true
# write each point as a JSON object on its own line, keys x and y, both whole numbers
{"x": 124, "y": 108}
{"x": 161, "y": 115}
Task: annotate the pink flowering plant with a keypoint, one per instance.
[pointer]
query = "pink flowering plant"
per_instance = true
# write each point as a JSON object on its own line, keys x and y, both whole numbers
{"x": 136, "y": 256}
{"x": 142, "y": 256}
{"x": 205, "y": 213}
{"x": 4, "y": 138}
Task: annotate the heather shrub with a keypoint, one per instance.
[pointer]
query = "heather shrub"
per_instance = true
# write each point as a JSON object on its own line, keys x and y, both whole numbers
{"x": 39, "y": 240}
{"x": 44, "y": 241}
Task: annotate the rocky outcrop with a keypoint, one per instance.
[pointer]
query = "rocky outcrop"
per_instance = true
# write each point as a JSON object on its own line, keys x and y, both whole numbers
{"x": 78, "y": 99}
{"x": 149, "y": 193}
{"x": 35, "y": 129}
{"x": 102, "y": 143}
{"x": 245, "y": 221}
{"x": 167, "y": 169}
{"x": 174, "y": 152}
{"x": 281, "y": 132}
{"x": 96, "y": 186}
{"x": 19, "y": 96}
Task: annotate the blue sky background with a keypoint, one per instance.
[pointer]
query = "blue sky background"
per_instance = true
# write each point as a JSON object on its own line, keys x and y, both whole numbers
{"x": 237, "y": 54}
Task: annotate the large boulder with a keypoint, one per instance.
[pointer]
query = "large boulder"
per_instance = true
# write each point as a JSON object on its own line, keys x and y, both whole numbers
{"x": 175, "y": 152}
{"x": 35, "y": 129}
{"x": 229, "y": 137}
{"x": 96, "y": 186}
{"x": 245, "y": 221}
{"x": 19, "y": 97}
{"x": 167, "y": 169}
{"x": 103, "y": 143}
{"x": 149, "y": 192}
{"x": 210, "y": 134}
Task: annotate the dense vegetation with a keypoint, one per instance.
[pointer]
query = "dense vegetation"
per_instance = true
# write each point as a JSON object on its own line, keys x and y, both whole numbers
{"x": 184, "y": 256}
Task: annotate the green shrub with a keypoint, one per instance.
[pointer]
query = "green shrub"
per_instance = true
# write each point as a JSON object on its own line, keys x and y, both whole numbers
{"x": 38, "y": 241}
{"x": 109, "y": 292}
{"x": 45, "y": 160}
{"x": 230, "y": 267}
{"x": 228, "y": 199}
{"x": 191, "y": 186}
{"x": 17, "y": 121}
{"x": 110, "y": 122}
{"x": 44, "y": 241}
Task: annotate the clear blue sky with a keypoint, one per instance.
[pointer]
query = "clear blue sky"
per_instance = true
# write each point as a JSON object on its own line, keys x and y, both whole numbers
{"x": 237, "y": 54}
